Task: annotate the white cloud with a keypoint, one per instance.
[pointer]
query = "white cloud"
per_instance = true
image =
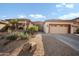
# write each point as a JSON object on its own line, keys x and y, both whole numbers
{"x": 4, "y": 16}
{"x": 21, "y": 16}
{"x": 69, "y": 5}
{"x": 58, "y": 5}
{"x": 37, "y": 16}
{"x": 65, "y": 5}
{"x": 69, "y": 16}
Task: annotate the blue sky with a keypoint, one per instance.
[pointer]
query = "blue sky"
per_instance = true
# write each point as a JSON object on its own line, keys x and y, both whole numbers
{"x": 39, "y": 11}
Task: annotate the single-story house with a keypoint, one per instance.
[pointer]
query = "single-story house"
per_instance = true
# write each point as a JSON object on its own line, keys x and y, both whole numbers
{"x": 50, "y": 26}
{"x": 61, "y": 26}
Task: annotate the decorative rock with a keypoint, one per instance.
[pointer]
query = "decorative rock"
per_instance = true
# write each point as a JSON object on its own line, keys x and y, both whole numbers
{"x": 14, "y": 50}
{"x": 22, "y": 48}
{"x": 33, "y": 46}
{"x": 26, "y": 47}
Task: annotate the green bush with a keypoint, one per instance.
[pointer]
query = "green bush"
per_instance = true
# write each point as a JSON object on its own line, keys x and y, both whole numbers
{"x": 22, "y": 35}
{"x": 11, "y": 37}
{"x": 32, "y": 29}
{"x": 17, "y": 36}
{"x": 77, "y": 31}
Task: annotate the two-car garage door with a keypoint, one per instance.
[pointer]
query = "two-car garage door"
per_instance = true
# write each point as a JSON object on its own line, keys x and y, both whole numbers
{"x": 58, "y": 28}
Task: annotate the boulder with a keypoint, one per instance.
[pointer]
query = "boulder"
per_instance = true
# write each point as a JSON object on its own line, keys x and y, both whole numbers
{"x": 33, "y": 47}
{"x": 14, "y": 48}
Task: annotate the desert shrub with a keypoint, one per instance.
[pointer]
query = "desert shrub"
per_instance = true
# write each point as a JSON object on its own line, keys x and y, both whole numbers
{"x": 77, "y": 31}
{"x": 11, "y": 37}
{"x": 22, "y": 35}
{"x": 17, "y": 36}
{"x": 32, "y": 29}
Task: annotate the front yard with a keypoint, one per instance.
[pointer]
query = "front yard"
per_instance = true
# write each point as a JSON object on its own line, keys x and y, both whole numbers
{"x": 14, "y": 40}
{"x": 12, "y": 46}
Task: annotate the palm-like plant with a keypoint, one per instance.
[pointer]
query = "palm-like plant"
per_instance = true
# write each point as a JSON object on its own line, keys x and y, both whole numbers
{"x": 13, "y": 23}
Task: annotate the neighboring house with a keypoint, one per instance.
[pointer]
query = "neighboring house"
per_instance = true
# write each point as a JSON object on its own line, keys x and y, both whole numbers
{"x": 2, "y": 25}
{"x": 61, "y": 26}
{"x": 22, "y": 22}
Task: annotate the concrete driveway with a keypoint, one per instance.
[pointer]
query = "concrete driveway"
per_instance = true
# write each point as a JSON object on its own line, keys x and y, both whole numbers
{"x": 60, "y": 44}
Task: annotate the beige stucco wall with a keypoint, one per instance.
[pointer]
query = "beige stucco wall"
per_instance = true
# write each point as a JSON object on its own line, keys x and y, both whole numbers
{"x": 46, "y": 28}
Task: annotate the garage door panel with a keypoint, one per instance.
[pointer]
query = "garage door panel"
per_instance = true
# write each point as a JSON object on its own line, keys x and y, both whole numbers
{"x": 58, "y": 29}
